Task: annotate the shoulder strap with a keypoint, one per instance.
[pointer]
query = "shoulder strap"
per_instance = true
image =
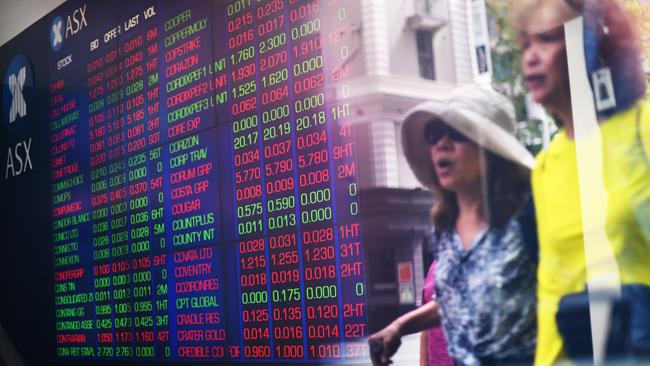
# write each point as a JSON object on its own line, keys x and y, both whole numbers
{"x": 528, "y": 225}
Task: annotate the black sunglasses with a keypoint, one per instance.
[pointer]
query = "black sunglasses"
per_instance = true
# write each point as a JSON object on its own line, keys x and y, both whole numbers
{"x": 434, "y": 131}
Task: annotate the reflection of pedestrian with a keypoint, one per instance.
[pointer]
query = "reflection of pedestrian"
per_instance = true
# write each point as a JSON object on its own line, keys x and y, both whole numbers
{"x": 433, "y": 345}
{"x": 463, "y": 149}
{"x": 625, "y": 135}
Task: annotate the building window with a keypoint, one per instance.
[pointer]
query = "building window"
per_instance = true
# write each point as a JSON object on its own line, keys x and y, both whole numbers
{"x": 423, "y": 7}
{"x": 425, "y": 54}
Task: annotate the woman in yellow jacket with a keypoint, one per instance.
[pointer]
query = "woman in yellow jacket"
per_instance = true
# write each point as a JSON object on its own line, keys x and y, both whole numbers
{"x": 624, "y": 135}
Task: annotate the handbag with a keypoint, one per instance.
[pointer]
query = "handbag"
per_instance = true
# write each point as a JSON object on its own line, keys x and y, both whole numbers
{"x": 574, "y": 324}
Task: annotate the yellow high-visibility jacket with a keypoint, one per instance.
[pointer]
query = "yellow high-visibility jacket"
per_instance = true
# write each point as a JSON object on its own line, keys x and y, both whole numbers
{"x": 626, "y": 177}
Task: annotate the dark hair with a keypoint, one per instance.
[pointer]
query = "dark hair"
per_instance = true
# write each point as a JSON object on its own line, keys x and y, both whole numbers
{"x": 508, "y": 186}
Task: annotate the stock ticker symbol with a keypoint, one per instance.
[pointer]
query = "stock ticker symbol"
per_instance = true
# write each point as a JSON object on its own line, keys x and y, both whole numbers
{"x": 56, "y": 34}
{"x": 18, "y": 86}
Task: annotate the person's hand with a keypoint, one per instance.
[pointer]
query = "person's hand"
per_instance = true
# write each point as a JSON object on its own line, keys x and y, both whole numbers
{"x": 384, "y": 344}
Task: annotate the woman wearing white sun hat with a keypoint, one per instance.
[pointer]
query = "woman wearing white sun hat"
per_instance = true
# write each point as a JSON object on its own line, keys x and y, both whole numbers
{"x": 464, "y": 150}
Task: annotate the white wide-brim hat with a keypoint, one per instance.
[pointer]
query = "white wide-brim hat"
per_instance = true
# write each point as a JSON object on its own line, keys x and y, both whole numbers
{"x": 482, "y": 115}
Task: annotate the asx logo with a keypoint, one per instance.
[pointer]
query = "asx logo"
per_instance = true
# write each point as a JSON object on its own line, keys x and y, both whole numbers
{"x": 61, "y": 29}
{"x": 17, "y": 96}
{"x": 18, "y": 86}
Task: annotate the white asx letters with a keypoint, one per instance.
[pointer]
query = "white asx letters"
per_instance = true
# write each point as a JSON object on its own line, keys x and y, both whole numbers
{"x": 18, "y": 159}
{"x": 76, "y": 21}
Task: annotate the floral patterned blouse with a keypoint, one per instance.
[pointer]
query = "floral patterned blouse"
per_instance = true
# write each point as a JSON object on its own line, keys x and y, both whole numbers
{"x": 487, "y": 296}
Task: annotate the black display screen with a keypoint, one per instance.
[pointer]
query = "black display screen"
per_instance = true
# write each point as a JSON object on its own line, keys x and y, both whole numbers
{"x": 203, "y": 197}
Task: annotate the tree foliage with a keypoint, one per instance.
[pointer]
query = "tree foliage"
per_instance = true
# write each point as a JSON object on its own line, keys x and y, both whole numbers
{"x": 506, "y": 54}
{"x": 506, "y": 70}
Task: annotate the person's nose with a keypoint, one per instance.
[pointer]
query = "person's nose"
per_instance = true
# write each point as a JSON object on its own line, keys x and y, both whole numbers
{"x": 445, "y": 143}
{"x": 531, "y": 57}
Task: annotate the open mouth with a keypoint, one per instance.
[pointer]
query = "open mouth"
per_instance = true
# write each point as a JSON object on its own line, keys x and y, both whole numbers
{"x": 535, "y": 80}
{"x": 443, "y": 166}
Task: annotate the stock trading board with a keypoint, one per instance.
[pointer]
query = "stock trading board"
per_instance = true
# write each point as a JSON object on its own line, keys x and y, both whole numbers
{"x": 201, "y": 192}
